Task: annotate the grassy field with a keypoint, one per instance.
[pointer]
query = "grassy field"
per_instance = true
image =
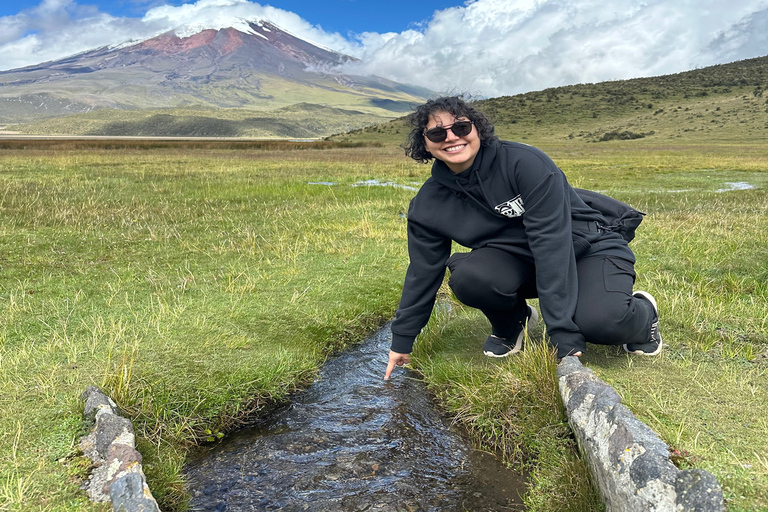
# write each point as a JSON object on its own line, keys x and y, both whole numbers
{"x": 193, "y": 285}
{"x": 197, "y": 285}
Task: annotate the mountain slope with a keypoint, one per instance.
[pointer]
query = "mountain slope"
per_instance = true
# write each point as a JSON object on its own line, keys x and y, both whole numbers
{"x": 262, "y": 69}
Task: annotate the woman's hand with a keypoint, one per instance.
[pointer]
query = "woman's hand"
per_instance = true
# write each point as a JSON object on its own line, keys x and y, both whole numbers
{"x": 576, "y": 354}
{"x": 396, "y": 359}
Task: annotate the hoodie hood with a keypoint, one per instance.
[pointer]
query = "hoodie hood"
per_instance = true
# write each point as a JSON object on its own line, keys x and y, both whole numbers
{"x": 470, "y": 184}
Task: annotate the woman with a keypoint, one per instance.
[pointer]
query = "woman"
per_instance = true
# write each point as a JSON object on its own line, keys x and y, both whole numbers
{"x": 530, "y": 236}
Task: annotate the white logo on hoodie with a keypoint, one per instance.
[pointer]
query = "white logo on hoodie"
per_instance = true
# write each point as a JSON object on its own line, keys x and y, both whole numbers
{"x": 512, "y": 208}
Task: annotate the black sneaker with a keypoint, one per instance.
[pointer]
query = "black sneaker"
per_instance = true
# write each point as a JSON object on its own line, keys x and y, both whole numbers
{"x": 500, "y": 347}
{"x": 653, "y": 346}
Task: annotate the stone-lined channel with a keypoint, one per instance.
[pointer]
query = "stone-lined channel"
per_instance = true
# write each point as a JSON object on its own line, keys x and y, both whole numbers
{"x": 353, "y": 442}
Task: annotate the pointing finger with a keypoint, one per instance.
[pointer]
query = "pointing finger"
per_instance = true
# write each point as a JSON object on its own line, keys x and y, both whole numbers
{"x": 390, "y": 367}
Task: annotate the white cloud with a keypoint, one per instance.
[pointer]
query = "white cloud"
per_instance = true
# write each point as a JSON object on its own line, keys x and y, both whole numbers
{"x": 494, "y": 47}
{"x": 59, "y": 28}
{"x": 189, "y": 19}
{"x": 484, "y": 47}
{"x": 744, "y": 40}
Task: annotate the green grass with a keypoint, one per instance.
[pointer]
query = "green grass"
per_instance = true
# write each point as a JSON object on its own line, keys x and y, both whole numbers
{"x": 510, "y": 406}
{"x": 702, "y": 253}
{"x": 195, "y": 287}
{"x": 199, "y": 285}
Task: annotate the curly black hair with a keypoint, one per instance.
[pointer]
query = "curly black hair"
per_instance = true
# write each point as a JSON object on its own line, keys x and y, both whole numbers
{"x": 416, "y": 148}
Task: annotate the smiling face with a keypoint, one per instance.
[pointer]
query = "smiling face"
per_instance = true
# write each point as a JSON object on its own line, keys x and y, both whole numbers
{"x": 458, "y": 153}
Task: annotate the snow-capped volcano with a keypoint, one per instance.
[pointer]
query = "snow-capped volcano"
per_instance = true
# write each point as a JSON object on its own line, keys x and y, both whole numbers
{"x": 246, "y": 64}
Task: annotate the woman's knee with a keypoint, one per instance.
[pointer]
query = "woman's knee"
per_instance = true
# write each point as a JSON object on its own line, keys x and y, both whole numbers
{"x": 604, "y": 325}
{"x": 489, "y": 278}
{"x": 471, "y": 285}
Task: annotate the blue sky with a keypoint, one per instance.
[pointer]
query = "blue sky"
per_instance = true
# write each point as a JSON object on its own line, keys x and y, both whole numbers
{"x": 481, "y": 47}
{"x": 340, "y": 16}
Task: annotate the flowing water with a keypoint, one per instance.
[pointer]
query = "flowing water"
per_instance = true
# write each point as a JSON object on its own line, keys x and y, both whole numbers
{"x": 353, "y": 442}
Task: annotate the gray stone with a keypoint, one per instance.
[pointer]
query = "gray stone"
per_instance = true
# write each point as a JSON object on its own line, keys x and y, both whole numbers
{"x": 117, "y": 475}
{"x": 120, "y": 460}
{"x": 628, "y": 461}
{"x": 96, "y": 401}
{"x": 698, "y": 491}
{"x": 109, "y": 429}
{"x": 130, "y": 494}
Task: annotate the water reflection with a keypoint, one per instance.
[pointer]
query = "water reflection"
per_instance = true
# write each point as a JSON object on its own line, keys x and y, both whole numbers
{"x": 353, "y": 442}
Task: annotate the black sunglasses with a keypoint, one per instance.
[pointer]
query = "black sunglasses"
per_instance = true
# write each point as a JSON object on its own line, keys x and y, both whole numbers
{"x": 439, "y": 133}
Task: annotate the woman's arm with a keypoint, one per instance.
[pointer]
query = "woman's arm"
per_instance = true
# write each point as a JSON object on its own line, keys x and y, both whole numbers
{"x": 428, "y": 251}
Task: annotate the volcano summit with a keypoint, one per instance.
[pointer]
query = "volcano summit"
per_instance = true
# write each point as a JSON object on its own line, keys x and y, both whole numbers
{"x": 231, "y": 74}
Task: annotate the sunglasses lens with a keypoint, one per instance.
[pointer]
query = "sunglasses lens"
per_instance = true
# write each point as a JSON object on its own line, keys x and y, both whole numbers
{"x": 461, "y": 128}
{"x": 439, "y": 134}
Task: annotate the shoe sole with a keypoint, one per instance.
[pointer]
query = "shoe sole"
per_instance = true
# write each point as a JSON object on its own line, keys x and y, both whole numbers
{"x": 532, "y": 320}
{"x": 656, "y": 352}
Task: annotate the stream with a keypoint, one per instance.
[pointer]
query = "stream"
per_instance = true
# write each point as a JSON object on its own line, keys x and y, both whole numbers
{"x": 353, "y": 442}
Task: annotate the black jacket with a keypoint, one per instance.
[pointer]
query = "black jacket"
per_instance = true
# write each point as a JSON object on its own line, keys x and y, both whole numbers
{"x": 513, "y": 198}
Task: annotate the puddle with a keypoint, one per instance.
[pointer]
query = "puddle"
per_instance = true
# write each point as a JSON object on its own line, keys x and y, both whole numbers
{"x": 736, "y": 185}
{"x": 370, "y": 183}
{"x": 378, "y": 183}
{"x": 353, "y": 442}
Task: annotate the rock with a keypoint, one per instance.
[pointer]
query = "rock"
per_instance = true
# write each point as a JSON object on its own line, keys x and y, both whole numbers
{"x": 131, "y": 494}
{"x": 96, "y": 401}
{"x": 111, "y": 445}
{"x": 628, "y": 461}
{"x": 698, "y": 491}
{"x": 109, "y": 429}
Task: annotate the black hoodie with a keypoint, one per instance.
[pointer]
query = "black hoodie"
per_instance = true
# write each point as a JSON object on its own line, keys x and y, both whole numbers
{"x": 513, "y": 198}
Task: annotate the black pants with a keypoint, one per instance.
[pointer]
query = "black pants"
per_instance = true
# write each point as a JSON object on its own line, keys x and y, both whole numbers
{"x": 497, "y": 283}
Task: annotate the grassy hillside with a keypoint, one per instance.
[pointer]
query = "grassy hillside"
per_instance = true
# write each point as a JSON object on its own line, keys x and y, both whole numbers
{"x": 727, "y": 102}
